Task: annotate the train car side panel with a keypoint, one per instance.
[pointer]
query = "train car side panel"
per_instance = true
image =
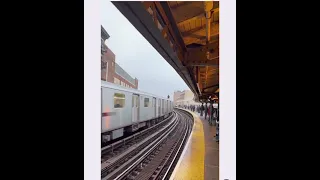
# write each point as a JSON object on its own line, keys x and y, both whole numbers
{"x": 116, "y": 108}
{"x": 154, "y": 107}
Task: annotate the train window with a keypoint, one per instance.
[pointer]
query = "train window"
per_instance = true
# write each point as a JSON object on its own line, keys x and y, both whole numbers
{"x": 146, "y": 102}
{"x": 119, "y": 100}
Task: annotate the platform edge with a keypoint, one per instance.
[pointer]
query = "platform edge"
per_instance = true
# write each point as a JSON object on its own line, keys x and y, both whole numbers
{"x": 184, "y": 149}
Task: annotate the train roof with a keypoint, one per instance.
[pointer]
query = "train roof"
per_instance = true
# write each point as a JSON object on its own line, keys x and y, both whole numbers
{"x": 118, "y": 87}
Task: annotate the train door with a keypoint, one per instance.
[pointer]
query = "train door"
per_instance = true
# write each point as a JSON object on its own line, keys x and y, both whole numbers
{"x": 135, "y": 108}
{"x": 162, "y": 107}
{"x": 159, "y": 107}
{"x": 154, "y": 106}
{"x": 167, "y": 106}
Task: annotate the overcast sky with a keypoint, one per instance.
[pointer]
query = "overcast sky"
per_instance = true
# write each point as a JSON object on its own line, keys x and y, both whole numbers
{"x": 137, "y": 57}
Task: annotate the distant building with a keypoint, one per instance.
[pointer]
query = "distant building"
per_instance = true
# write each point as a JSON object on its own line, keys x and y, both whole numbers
{"x": 185, "y": 97}
{"x": 176, "y": 96}
{"x": 121, "y": 77}
{"x": 104, "y": 50}
{"x": 110, "y": 70}
{"x": 104, "y": 34}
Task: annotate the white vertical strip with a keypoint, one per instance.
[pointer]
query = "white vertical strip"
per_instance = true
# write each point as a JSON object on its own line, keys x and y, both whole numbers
{"x": 92, "y": 99}
{"x": 227, "y": 86}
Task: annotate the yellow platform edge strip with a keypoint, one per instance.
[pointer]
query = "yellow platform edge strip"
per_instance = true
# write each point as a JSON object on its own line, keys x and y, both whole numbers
{"x": 191, "y": 166}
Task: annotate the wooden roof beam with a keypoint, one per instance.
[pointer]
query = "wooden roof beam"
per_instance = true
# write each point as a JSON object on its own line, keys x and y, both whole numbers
{"x": 180, "y": 5}
{"x": 198, "y": 56}
{"x": 214, "y": 29}
{"x": 200, "y": 16}
{"x": 212, "y": 63}
{"x": 210, "y": 86}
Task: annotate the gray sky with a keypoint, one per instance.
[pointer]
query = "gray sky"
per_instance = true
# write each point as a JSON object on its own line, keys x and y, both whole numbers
{"x": 136, "y": 56}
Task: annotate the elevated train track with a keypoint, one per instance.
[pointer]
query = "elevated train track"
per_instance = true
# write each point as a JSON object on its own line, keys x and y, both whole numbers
{"x": 155, "y": 156}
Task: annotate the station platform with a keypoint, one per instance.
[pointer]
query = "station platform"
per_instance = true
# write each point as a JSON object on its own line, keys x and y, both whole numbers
{"x": 200, "y": 157}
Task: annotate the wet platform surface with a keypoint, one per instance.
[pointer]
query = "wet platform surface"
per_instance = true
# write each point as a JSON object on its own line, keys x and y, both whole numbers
{"x": 200, "y": 159}
{"x": 211, "y": 151}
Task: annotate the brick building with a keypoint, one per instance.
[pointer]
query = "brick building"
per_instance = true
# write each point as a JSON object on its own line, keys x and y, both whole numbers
{"x": 110, "y": 70}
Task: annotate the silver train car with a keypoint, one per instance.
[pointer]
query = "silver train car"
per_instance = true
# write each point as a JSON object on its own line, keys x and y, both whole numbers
{"x": 127, "y": 110}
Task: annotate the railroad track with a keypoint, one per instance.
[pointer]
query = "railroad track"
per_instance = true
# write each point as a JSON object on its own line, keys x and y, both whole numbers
{"x": 156, "y": 157}
{"x": 129, "y": 147}
{"x": 173, "y": 159}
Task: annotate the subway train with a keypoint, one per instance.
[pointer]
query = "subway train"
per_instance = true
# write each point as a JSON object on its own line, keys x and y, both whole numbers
{"x": 126, "y": 110}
